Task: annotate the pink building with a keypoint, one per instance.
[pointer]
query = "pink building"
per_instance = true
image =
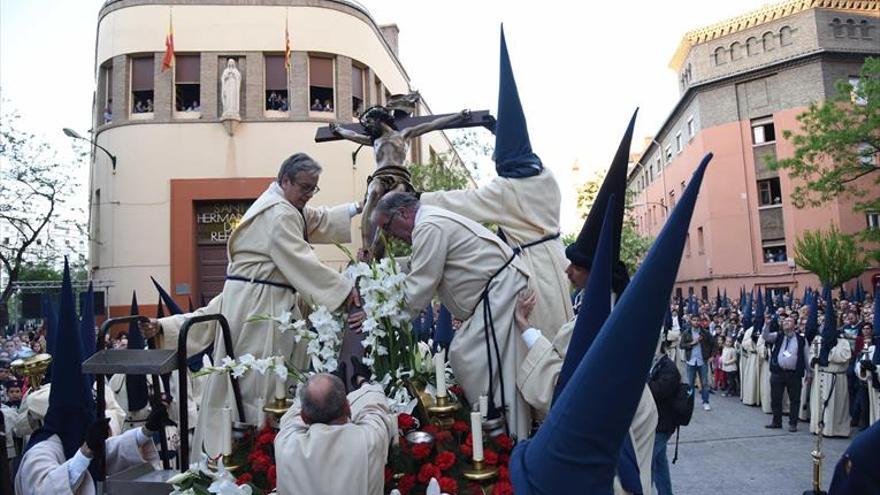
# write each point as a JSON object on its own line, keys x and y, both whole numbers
{"x": 743, "y": 81}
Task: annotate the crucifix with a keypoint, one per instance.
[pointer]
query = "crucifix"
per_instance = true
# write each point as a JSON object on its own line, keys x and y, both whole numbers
{"x": 388, "y": 130}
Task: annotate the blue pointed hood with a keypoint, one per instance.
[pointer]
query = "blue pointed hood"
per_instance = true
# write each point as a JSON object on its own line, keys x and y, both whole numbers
{"x": 71, "y": 403}
{"x": 860, "y": 292}
{"x": 747, "y": 312}
{"x": 577, "y": 448}
{"x": 811, "y": 327}
{"x": 88, "y": 336}
{"x": 443, "y": 332}
{"x": 168, "y": 300}
{"x": 513, "y": 154}
{"x": 842, "y": 293}
{"x": 136, "y": 385}
{"x": 876, "y": 357}
{"x": 759, "y": 313}
{"x": 858, "y": 470}
{"x": 596, "y": 304}
{"x": 829, "y": 327}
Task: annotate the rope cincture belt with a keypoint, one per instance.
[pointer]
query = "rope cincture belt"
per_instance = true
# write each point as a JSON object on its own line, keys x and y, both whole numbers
{"x": 489, "y": 326}
{"x": 281, "y": 285}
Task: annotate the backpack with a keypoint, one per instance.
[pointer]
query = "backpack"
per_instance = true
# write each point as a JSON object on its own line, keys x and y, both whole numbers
{"x": 683, "y": 405}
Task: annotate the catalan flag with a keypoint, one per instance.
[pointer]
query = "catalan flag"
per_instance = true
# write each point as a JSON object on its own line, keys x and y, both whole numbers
{"x": 168, "y": 59}
{"x": 286, "y": 46}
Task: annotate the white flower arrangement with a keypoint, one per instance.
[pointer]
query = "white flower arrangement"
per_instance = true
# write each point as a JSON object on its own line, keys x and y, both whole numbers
{"x": 322, "y": 331}
{"x": 201, "y": 476}
{"x": 247, "y": 362}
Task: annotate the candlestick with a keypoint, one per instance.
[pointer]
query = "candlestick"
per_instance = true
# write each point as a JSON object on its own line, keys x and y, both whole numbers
{"x": 227, "y": 430}
{"x": 261, "y": 415}
{"x": 440, "y": 372}
{"x": 280, "y": 386}
{"x": 484, "y": 406}
{"x": 477, "y": 435}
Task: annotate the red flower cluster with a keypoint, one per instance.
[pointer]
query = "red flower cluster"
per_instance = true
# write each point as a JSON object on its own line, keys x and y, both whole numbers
{"x": 244, "y": 478}
{"x": 502, "y": 488}
{"x": 460, "y": 426}
{"x": 448, "y": 485}
{"x": 445, "y": 460}
{"x": 405, "y": 422}
{"x": 272, "y": 474}
{"x": 421, "y": 451}
{"x": 427, "y": 472}
{"x": 259, "y": 461}
{"x": 406, "y": 484}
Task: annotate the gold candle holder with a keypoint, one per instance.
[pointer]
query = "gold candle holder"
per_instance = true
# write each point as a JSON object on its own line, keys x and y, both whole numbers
{"x": 227, "y": 463}
{"x": 34, "y": 368}
{"x": 278, "y": 407}
{"x": 480, "y": 472}
{"x": 442, "y": 411}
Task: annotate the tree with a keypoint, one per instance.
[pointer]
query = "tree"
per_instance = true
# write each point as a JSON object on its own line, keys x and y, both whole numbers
{"x": 839, "y": 144}
{"x": 633, "y": 246}
{"x": 35, "y": 186}
{"x": 833, "y": 256}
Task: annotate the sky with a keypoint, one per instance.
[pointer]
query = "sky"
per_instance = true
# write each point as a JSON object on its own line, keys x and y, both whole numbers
{"x": 581, "y": 67}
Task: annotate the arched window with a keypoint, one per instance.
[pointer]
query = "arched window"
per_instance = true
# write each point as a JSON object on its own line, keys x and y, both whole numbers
{"x": 850, "y": 28}
{"x": 865, "y": 28}
{"x": 836, "y": 28}
{"x": 785, "y": 36}
{"x": 768, "y": 41}
{"x": 735, "y": 50}
{"x": 752, "y": 47}
{"x": 720, "y": 56}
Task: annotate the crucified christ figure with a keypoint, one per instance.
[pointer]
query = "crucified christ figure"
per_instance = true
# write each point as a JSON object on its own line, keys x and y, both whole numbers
{"x": 390, "y": 146}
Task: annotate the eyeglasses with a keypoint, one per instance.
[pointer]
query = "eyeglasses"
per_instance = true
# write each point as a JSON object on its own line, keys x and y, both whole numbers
{"x": 387, "y": 223}
{"x": 308, "y": 189}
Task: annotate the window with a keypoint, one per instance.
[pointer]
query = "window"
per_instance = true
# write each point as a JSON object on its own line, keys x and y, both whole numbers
{"x": 720, "y": 56}
{"x": 672, "y": 199}
{"x": 701, "y": 246}
{"x": 837, "y": 28}
{"x": 678, "y": 294}
{"x": 735, "y": 50}
{"x": 321, "y": 84}
{"x": 864, "y": 27}
{"x": 769, "y": 192}
{"x": 276, "y": 84}
{"x": 855, "y": 82}
{"x": 763, "y": 131}
{"x": 768, "y": 41}
{"x": 752, "y": 46}
{"x": 357, "y": 90}
{"x": 873, "y": 219}
{"x": 774, "y": 251}
{"x": 691, "y": 128}
{"x": 704, "y": 292}
{"x": 687, "y": 245}
{"x": 186, "y": 83}
{"x": 678, "y": 142}
{"x": 668, "y": 154}
{"x": 650, "y": 174}
{"x": 107, "y": 94}
{"x": 785, "y": 36}
{"x": 850, "y": 28}
{"x": 659, "y": 166}
{"x": 142, "y": 85}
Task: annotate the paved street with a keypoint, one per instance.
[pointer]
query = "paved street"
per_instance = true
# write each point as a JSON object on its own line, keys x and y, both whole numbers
{"x": 728, "y": 451}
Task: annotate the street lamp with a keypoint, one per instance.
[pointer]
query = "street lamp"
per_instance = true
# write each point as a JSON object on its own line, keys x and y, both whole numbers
{"x": 75, "y": 135}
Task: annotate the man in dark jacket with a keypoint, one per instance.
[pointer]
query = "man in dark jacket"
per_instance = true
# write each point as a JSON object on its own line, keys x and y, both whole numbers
{"x": 697, "y": 343}
{"x": 663, "y": 382}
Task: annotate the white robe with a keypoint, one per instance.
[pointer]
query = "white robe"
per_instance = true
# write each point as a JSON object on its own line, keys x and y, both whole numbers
{"x": 35, "y": 404}
{"x": 268, "y": 244}
{"x": 322, "y": 459}
{"x": 537, "y": 378}
{"x": 750, "y": 371}
{"x": 527, "y": 210}
{"x": 456, "y": 257}
{"x": 873, "y": 393}
{"x": 837, "y": 417}
{"x": 43, "y": 468}
{"x": 10, "y": 417}
{"x": 676, "y": 354}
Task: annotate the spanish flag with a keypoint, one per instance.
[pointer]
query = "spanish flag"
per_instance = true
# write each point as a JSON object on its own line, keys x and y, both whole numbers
{"x": 286, "y": 46}
{"x": 168, "y": 59}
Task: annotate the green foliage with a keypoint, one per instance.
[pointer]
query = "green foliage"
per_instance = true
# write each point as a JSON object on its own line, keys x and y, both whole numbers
{"x": 441, "y": 173}
{"x": 834, "y": 257}
{"x": 839, "y": 143}
{"x": 568, "y": 239}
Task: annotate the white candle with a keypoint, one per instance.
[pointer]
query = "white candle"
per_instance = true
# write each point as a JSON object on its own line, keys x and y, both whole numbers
{"x": 477, "y": 434}
{"x": 440, "y": 372}
{"x": 227, "y": 431}
{"x": 261, "y": 415}
{"x": 484, "y": 406}
{"x": 280, "y": 384}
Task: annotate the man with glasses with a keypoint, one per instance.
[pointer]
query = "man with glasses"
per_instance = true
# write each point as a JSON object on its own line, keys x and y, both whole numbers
{"x": 478, "y": 279}
{"x": 272, "y": 270}
{"x": 789, "y": 359}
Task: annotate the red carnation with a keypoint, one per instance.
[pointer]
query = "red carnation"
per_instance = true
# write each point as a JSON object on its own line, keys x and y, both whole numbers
{"x": 443, "y": 436}
{"x": 503, "y": 473}
{"x": 445, "y": 460}
{"x": 264, "y": 439}
{"x": 427, "y": 472}
{"x": 504, "y": 441}
{"x": 448, "y": 485}
{"x": 261, "y": 463}
{"x": 502, "y": 488}
{"x": 272, "y": 474}
{"x": 432, "y": 429}
{"x": 490, "y": 457}
{"x": 455, "y": 389}
{"x": 421, "y": 451}
{"x": 244, "y": 479}
{"x": 406, "y": 483}
{"x": 405, "y": 421}
{"x": 460, "y": 426}
{"x": 466, "y": 450}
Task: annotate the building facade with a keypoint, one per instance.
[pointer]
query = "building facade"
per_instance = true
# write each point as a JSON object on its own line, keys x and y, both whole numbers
{"x": 743, "y": 82}
{"x": 183, "y": 175}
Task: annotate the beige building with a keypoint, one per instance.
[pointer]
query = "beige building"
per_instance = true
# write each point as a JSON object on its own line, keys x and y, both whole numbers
{"x": 743, "y": 82}
{"x": 184, "y": 176}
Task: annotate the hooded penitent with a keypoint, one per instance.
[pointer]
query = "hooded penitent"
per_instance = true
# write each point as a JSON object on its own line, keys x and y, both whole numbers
{"x": 136, "y": 385}
{"x": 583, "y": 249}
{"x": 443, "y": 332}
{"x": 513, "y": 154}
{"x": 88, "y": 336}
{"x": 577, "y": 448}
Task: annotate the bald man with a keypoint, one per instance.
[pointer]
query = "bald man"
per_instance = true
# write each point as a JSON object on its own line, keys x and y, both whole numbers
{"x": 330, "y": 443}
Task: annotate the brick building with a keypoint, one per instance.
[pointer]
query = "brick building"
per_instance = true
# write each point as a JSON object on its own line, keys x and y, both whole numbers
{"x": 743, "y": 81}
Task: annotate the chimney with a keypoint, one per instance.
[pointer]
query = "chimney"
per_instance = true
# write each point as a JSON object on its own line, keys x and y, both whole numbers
{"x": 390, "y": 32}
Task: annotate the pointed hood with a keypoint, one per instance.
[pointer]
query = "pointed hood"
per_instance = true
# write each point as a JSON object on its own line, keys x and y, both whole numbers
{"x": 759, "y": 313}
{"x": 191, "y": 307}
{"x": 71, "y": 403}
{"x": 747, "y": 312}
{"x": 789, "y": 300}
{"x": 596, "y": 304}
{"x": 513, "y": 154}
{"x": 842, "y": 294}
{"x": 811, "y": 327}
{"x": 876, "y": 357}
{"x": 168, "y": 300}
{"x": 860, "y": 292}
{"x": 88, "y": 336}
{"x": 577, "y": 448}
{"x": 136, "y": 385}
{"x": 829, "y": 327}
{"x": 443, "y": 332}
{"x": 858, "y": 470}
